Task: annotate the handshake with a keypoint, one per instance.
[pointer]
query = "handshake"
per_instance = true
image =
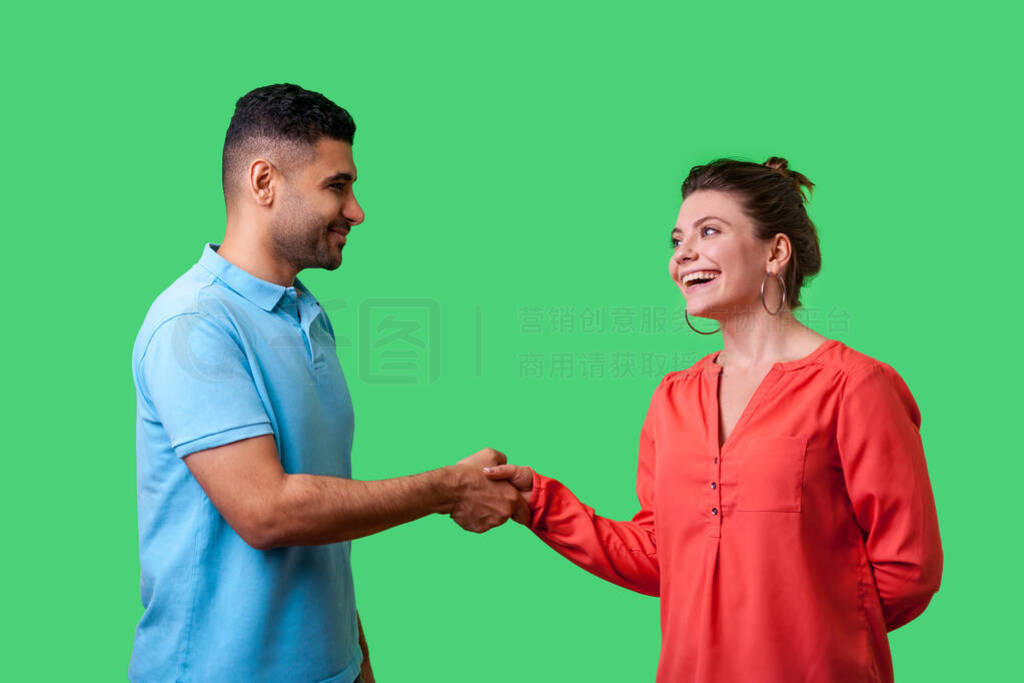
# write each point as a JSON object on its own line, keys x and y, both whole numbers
{"x": 488, "y": 491}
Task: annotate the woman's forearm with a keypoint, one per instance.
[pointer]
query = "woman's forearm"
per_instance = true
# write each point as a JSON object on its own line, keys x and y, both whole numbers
{"x": 621, "y": 552}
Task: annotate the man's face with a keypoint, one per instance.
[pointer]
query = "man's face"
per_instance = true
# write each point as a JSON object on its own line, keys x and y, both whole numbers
{"x": 317, "y": 208}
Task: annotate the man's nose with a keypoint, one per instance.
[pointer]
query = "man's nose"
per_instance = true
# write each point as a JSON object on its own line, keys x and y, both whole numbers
{"x": 353, "y": 212}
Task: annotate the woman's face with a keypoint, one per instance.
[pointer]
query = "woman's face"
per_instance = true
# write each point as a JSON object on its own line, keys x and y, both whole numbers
{"x": 713, "y": 234}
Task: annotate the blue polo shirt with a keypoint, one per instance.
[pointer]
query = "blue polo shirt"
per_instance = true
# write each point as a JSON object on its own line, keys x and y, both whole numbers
{"x": 222, "y": 356}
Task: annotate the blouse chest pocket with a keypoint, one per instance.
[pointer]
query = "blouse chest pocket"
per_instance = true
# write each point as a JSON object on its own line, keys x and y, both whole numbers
{"x": 770, "y": 476}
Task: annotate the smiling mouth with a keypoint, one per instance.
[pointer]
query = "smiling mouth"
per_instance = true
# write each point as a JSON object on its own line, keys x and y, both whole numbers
{"x": 699, "y": 280}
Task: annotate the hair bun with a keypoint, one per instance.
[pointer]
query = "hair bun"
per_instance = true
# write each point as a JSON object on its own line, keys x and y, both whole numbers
{"x": 779, "y": 164}
{"x": 798, "y": 180}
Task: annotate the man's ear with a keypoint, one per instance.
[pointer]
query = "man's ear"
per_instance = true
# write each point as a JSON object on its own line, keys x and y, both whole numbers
{"x": 262, "y": 175}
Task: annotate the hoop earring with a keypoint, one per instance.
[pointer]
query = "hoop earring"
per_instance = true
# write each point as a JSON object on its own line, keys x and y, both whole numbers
{"x": 687, "y": 315}
{"x": 781, "y": 284}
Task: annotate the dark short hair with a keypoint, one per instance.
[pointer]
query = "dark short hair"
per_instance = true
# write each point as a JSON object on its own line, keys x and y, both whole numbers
{"x": 772, "y": 196}
{"x": 282, "y": 115}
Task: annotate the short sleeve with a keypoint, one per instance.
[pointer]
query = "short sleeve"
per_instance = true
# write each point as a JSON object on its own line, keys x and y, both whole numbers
{"x": 196, "y": 377}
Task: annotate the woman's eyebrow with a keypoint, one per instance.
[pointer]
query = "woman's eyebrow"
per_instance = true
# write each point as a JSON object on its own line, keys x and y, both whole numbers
{"x": 707, "y": 218}
{"x": 701, "y": 220}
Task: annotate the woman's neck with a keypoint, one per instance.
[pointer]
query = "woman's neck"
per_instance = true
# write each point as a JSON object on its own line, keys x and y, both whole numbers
{"x": 758, "y": 340}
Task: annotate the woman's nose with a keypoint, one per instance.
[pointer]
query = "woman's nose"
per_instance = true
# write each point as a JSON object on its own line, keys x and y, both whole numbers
{"x": 683, "y": 253}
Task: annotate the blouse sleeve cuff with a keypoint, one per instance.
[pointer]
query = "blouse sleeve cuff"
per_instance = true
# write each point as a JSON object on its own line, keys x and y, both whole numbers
{"x": 539, "y": 497}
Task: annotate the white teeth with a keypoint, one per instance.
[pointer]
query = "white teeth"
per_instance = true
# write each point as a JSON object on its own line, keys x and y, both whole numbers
{"x": 700, "y": 275}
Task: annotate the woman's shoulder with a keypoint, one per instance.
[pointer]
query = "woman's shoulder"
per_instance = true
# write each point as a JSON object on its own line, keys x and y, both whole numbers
{"x": 868, "y": 380}
{"x": 690, "y": 372}
{"x": 863, "y": 377}
{"x": 676, "y": 381}
{"x": 852, "y": 364}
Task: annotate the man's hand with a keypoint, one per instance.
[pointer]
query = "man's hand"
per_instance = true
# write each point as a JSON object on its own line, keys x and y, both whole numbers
{"x": 488, "y": 457}
{"x": 482, "y": 504}
{"x": 520, "y": 477}
{"x": 365, "y": 670}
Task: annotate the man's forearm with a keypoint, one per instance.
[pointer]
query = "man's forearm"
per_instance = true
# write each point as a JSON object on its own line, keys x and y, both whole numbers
{"x": 314, "y": 510}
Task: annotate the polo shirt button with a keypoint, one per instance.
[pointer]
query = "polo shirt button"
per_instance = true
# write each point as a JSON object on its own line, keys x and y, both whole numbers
{"x": 714, "y": 511}
{"x": 714, "y": 485}
{"x": 716, "y": 461}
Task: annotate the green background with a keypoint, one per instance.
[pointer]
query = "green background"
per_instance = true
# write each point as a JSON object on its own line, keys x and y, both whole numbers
{"x": 511, "y": 157}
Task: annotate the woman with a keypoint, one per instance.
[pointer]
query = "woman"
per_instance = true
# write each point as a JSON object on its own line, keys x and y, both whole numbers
{"x": 786, "y": 516}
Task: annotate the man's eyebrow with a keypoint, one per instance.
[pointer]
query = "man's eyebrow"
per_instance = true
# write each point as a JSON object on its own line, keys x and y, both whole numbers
{"x": 340, "y": 175}
{"x": 699, "y": 221}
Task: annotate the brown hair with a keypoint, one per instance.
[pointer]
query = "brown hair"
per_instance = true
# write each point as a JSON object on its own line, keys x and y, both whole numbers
{"x": 772, "y": 196}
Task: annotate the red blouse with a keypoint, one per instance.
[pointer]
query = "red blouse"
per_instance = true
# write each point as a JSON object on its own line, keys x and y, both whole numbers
{"x": 787, "y": 554}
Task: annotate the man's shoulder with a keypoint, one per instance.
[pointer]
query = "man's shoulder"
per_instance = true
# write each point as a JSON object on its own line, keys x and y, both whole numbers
{"x": 191, "y": 294}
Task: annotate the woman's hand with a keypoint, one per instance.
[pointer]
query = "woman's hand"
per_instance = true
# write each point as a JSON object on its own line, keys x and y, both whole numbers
{"x": 520, "y": 477}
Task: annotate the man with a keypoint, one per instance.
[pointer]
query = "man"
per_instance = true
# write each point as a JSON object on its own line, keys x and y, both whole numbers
{"x": 244, "y": 427}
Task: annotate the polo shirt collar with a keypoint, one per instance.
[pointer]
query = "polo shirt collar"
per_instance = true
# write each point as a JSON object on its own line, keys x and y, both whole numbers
{"x": 264, "y": 294}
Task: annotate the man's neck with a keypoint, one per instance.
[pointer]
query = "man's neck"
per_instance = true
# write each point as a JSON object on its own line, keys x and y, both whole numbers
{"x": 249, "y": 255}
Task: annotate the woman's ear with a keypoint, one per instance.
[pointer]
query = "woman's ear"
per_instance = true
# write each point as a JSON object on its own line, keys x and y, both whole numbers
{"x": 780, "y": 251}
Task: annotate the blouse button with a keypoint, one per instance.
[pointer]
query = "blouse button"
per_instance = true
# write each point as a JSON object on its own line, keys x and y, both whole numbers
{"x": 716, "y": 460}
{"x": 714, "y": 511}
{"x": 714, "y": 485}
